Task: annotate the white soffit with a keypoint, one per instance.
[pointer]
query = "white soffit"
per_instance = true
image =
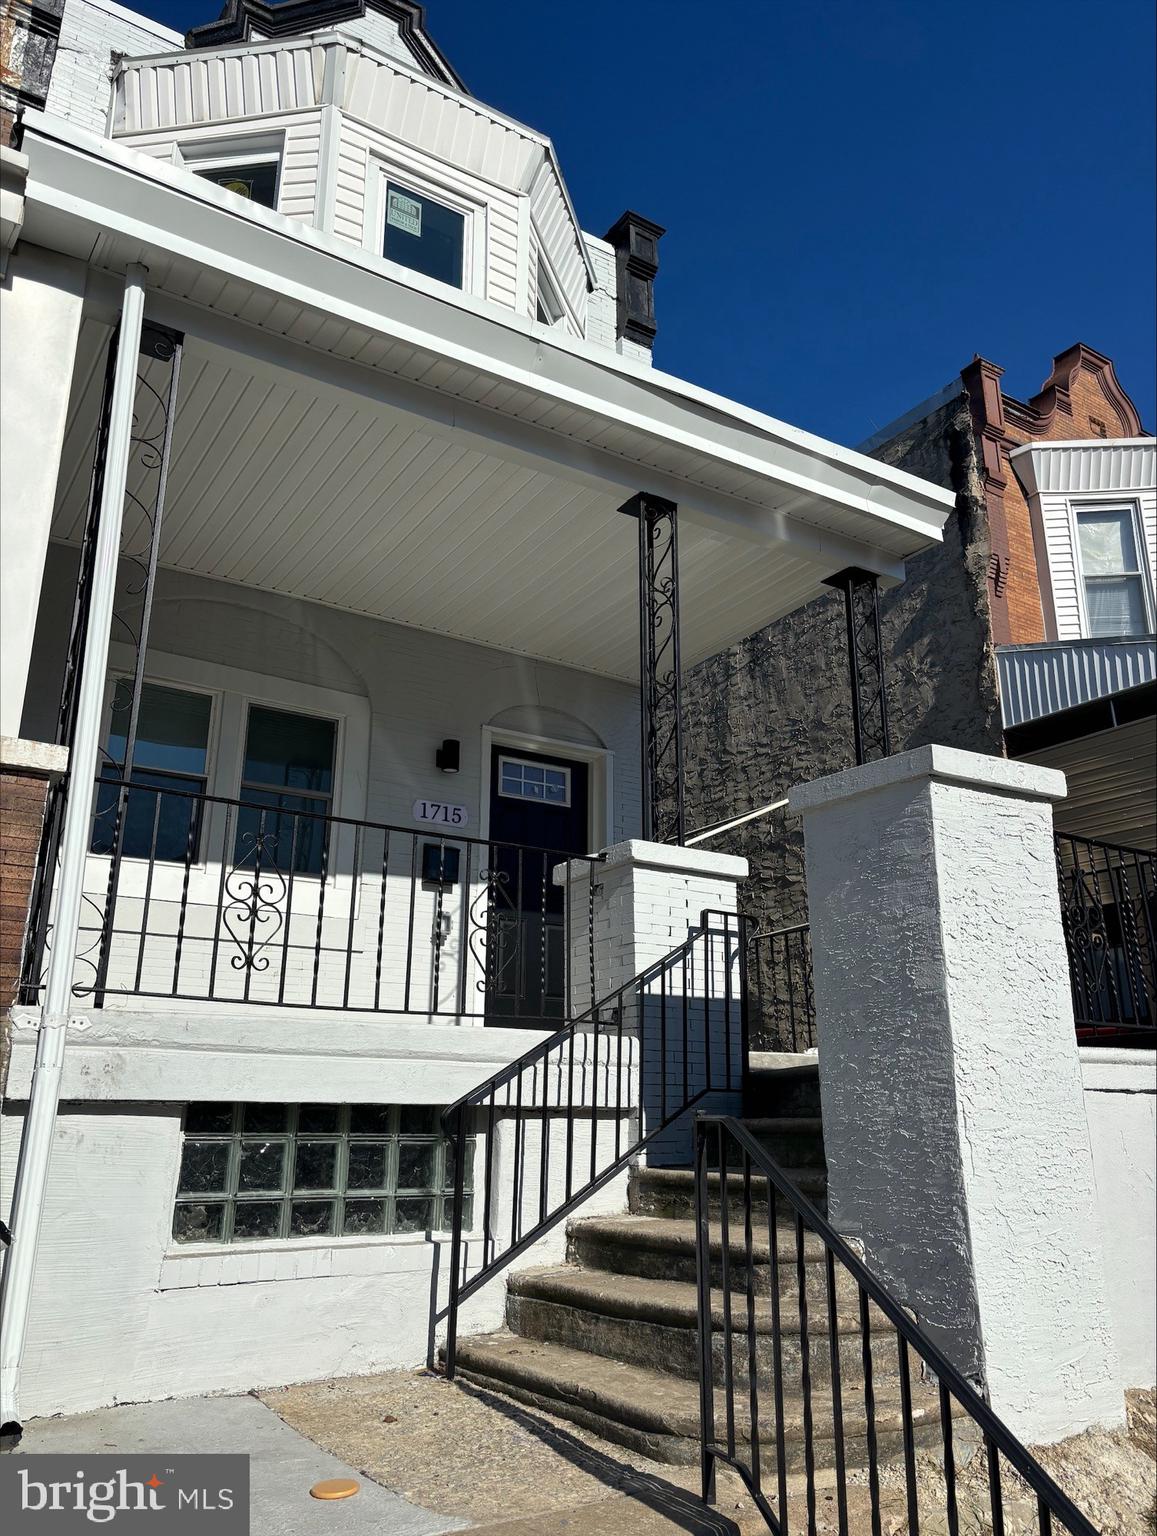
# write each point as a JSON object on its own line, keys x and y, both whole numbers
{"x": 1089, "y": 466}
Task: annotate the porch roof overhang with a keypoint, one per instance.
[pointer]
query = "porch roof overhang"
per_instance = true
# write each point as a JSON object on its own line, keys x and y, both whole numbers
{"x": 366, "y": 443}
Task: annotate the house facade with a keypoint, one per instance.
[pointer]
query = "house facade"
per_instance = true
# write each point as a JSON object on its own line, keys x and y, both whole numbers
{"x": 1028, "y": 632}
{"x": 352, "y": 541}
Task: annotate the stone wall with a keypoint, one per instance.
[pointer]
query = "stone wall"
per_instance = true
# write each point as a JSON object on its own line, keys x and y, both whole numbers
{"x": 774, "y": 710}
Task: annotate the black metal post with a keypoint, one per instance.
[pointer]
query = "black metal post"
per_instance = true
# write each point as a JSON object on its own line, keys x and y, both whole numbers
{"x": 659, "y": 667}
{"x": 150, "y": 448}
{"x": 870, "y": 731}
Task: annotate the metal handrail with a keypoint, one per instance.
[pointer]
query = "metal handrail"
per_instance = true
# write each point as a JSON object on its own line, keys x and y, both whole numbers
{"x": 1051, "y": 1500}
{"x": 607, "y": 1016}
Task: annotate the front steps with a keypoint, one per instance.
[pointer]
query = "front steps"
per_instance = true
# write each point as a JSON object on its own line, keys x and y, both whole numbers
{"x": 609, "y": 1339}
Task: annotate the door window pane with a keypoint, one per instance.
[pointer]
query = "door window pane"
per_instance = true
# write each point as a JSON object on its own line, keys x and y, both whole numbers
{"x": 424, "y": 235}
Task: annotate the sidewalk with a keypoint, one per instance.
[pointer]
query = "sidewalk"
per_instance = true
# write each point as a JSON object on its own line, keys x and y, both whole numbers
{"x": 284, "y": 1465}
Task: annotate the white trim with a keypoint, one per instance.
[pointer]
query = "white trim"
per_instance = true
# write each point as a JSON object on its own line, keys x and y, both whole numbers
{"x": 281, "y": 264}
{"x": 599, "y": 783}
{"x": 475, "y": 215}
{"x": 1111, "y": 503}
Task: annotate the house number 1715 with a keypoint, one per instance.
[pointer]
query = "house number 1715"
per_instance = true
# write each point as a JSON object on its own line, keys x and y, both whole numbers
{"x": 439, "y": 811}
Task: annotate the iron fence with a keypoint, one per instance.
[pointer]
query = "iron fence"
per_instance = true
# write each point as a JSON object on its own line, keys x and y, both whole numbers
{"x": 1109, "y": 910}
{"x": 783, "y": 1016}
{"x": 805, "y": 1358}
{"x": 202, "y": 898}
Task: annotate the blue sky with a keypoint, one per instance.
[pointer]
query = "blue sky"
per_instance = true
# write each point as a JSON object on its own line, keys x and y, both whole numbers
{"x": 859, "y": 194}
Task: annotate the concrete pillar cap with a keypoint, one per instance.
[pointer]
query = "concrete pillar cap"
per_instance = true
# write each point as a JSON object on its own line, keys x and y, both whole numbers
{"x": 974, "y": 770}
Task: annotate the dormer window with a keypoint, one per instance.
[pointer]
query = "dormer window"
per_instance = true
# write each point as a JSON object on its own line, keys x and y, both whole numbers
{"x": 1116, "y": 600}
{"x": 424, "y": 235}
{"x": 254, "y": 180}
{"x": 248, "y": 165}
{"x": 549, "y": 309}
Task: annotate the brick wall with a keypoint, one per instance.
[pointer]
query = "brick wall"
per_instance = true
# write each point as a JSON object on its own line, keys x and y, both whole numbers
{"x": 22, "y": 801}
{"x": 1081, "y": 398}
{"x": 90, "y": 33}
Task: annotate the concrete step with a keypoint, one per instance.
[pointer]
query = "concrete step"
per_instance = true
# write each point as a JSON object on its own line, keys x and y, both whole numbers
{"x": 671, "y": 1192}
{"x": 657, "y": 1414}
{"x": 654, "y": 1323}
{"x": 663, "y": 1248}
{"x": 777, "y": 1089}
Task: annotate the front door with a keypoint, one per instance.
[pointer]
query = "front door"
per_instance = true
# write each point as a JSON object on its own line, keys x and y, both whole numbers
{"x": 538, "y": 817}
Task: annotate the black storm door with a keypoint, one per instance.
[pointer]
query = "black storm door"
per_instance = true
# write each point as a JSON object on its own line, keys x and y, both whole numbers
{"x": 538, "y": 818}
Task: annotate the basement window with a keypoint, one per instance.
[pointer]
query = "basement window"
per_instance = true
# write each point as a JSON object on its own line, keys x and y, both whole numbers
{"x": 255, "y": 1172}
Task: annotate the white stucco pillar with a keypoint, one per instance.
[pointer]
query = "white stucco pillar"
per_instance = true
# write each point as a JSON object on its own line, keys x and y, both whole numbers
{"x": 40, "y": 312}
{"x": 957, "y": 1142}
{"x": 649, "y": 899}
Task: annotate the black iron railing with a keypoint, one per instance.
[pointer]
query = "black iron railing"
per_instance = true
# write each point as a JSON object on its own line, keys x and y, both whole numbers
{"x": 1109, "y": 908}
{"x": 201, "y": 898}
{"x": 815, "y": 1361}
{"x": 568, "y": 1115}
{"x": 783, "y": 1015}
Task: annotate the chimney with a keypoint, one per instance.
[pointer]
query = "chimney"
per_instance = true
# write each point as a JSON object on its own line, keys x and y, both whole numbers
{"x": 636, "y": 243}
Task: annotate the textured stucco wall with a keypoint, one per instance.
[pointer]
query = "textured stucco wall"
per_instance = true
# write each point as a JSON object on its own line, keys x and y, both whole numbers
{"x": 954, "y": 1118}
{"x": 774, "y": 710}
{"x": 1121, "y": 1103}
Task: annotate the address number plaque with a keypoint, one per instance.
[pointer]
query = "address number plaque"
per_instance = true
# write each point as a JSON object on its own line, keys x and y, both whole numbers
{"x": 438, "y": 811}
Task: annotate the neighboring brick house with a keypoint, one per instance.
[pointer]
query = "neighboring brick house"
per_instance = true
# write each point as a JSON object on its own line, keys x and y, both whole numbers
{"x": 989, "y": 642}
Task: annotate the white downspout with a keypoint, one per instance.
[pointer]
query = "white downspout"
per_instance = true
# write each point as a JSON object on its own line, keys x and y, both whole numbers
{"x": 44, "y": 1094}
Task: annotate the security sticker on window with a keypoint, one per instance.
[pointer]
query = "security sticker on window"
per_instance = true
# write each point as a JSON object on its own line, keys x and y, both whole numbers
{"x": 57, "y": 1495}
{"x": 404, "y": 213}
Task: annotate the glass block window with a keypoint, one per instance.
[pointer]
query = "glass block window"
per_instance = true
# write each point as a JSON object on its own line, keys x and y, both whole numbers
{"x": 1115, "y": 599}
{"x": 522, "y": 780}
{"x": 258, "y": 1171}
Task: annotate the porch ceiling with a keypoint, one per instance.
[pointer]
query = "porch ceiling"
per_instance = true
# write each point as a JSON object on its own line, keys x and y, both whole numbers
{"x": 282, "y": 482}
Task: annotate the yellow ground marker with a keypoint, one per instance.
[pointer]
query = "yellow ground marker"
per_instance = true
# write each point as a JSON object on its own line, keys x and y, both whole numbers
{"x": 335, "y": 1488}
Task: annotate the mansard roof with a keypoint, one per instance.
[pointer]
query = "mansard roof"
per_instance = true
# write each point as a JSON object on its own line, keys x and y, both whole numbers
{"x": 242, "y": 20}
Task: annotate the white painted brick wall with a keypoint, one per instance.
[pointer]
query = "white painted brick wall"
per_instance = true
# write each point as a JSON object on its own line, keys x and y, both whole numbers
{"x": 601, "y": 304}
{"x": 91, "y": 31}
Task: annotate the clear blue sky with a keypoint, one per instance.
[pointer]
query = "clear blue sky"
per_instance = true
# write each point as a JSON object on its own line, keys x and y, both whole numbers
{"x": 859, "y": 194}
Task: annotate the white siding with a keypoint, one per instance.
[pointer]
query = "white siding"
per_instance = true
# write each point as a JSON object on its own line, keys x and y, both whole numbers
{"x": 91, "y": 31}
{"x": 551, "y": 218}
{"x": 211, "y": 87}
{"x": 1057, "y": 526}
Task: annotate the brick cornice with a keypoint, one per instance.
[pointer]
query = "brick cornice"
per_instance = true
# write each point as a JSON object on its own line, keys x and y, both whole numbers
{"x": 1036, "y": 416}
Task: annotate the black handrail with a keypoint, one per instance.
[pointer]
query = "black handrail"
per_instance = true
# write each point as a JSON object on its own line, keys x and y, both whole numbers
{"x": 244, "y": 900}
{"x": 737, "y": 1156}
{"x": 672, "y": 1034}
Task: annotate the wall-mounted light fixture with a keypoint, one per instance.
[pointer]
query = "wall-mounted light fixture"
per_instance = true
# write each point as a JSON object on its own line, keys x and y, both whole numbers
{"x": 448, "y": 755}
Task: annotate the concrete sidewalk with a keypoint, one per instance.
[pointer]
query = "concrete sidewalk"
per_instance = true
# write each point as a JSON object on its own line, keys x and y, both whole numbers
{"x": 283, "y": 1464}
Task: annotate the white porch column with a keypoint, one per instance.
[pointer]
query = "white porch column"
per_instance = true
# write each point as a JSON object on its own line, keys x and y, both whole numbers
{"x": 649, "y": 898}
{"x": 957, "y": 1143}
{"x": 40, "y": 312}
{"x": 36, "y": 1145}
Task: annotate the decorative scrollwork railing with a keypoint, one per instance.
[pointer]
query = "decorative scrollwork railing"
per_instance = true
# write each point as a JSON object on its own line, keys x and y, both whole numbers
{"x": 202, "y": 898}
